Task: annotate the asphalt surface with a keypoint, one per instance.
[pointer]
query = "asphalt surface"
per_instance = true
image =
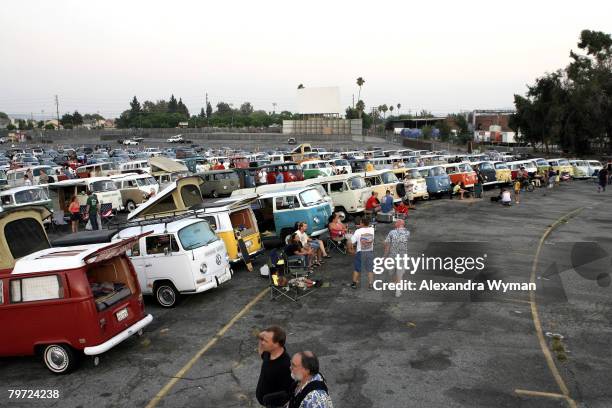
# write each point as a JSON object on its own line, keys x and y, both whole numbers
{"x": 425, "y": 349}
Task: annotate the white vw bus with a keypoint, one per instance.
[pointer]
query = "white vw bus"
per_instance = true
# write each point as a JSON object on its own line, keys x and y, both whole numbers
{"x": 177, "y": 257}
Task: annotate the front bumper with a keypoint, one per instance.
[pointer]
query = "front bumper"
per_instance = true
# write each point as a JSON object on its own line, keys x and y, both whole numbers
{"x": 113, "y": 341}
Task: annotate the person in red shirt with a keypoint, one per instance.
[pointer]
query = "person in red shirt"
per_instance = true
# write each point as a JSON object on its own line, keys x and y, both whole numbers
{"x": 373, "y": 204}
{"x": 402, "y": 209}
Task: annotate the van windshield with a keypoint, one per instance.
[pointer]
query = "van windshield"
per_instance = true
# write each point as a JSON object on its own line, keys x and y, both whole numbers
{"x": 311, "y": 197}
{"x": 357, "y": 183}
{"x": 389, "y": 178}
{"x": 196, "y": 235}
{"x": 437, "y": 171}
{"x": 29, "y": 196}
{"x": 103, "y": 185}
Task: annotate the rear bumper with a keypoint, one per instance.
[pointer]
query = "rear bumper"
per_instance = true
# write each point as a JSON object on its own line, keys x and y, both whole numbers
{"x": 113, "y": 341}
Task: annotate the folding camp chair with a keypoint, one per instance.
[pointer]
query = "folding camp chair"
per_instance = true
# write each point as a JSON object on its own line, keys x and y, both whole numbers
{"x": 106, "y": 213}
{"x": 336, "y": 244}
{"x": 282, "y": 266}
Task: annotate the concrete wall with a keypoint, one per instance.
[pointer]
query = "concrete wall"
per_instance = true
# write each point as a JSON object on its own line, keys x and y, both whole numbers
{"x": 325, "y": 126}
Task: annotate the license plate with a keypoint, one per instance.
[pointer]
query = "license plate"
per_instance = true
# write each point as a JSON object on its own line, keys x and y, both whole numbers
{"x": 122, "y": 314}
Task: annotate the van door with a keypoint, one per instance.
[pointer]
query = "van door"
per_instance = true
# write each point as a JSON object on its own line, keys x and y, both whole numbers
{"x": 165, "y": 260}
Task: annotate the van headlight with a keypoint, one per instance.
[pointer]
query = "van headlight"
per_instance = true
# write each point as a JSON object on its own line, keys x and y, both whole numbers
{"x": 316, "y": 220}
{"x": 203, "y": 268}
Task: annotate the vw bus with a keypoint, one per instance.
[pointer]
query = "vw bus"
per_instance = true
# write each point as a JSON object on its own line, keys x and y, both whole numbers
{"x": 542, "y": 166}
{"x": 218, "y": 183}
{"x": 105, "y": 189}
{"x": 135, "y": 189}
{"x": 24, "y": 196}
{"x": 96, "y": 170}
{"x": 277, "y": 213}
{"x": 438, "y": 182}
{"x": 226, "y": 219}
{"x": 594, "y": 167}
{"x": 461, "y": 173}
{"x": 135, "y": 166}
{"x": 15, "y": 177}
{"x": 381, "y": 181}
{"x": 487, "y": 170}
{"x": 562, "y": 166}
{"x": 66, "y": 301}
{"x": 316, "y": 168}
{"x": 413, "y": 182}
{"x": 580, "y": 169}
{"x": 502, "y": 172}
{"x": 291, "y": 172}
{"x": 180, "y": 256}
{"x": 342, "y": 165}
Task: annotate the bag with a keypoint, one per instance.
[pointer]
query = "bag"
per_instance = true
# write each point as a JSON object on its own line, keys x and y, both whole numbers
{"x": 88, "y": 226}
{"x": 264, "y": 270}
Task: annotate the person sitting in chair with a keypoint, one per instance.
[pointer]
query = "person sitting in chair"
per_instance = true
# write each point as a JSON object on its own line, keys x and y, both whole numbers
{"x": 337, "y": 232}
{"x": 294, "y": 248}
{"x": 387, "y": 203}
{"x": 373, "y": 204}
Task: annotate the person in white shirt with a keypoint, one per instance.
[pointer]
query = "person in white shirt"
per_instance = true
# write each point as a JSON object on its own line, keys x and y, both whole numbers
{"x": 363, "y": 239}
{"x": 262, "y": 177}
{"x": 315, "y": 244}
{"x": 506, "y": 198}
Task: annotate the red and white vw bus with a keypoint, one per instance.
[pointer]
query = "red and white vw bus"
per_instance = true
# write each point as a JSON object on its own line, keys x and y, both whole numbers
{"x": 61, "y": 303}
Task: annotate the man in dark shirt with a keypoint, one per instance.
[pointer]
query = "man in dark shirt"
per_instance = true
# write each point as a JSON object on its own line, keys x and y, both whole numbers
{"x": 274, "y": 385}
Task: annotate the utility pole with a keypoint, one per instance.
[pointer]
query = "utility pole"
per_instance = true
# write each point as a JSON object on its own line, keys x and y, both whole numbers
{"x": 206, "y": 110}
{"x": 57, "y": 111}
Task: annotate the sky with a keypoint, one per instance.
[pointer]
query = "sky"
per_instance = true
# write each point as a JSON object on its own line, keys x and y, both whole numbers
{"x": 442, "y": 56}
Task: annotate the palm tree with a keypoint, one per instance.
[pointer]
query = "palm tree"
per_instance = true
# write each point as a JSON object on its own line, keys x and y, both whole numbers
{"x": 399, "y": 105}
{"x": 360, "y": 82}
{"x": 360, "y": 107}
{"x": 384, "y": 108}
{"x": 301, "y": 86}
{"x": 391, "y": 109}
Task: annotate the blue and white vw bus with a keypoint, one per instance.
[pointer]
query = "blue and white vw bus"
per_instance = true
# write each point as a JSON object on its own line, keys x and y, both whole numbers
{"x": 278, "y": 212}
{"x": 438, "y": 182}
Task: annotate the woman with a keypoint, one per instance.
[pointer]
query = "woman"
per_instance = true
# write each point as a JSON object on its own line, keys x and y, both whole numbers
{"x": 75, "y": 213}
{"x": 337, "y": 232}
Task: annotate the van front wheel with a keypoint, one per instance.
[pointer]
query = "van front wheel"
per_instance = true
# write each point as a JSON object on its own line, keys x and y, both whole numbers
{"x": 214, "y": 194}
{"x": 166, "y": 295}
{"x": 59, "y": 358}
{"x": 130, "y": 206}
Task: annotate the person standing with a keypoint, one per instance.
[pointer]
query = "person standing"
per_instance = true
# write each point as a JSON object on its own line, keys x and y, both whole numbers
{"x": 603, "y": 179}
{"x": 26, "y": 180}
{"x": 396, "y": 244}
{"x": 275, "y": 381}
{"x": 43, "y": 178}
{"x": 310, "y": 389}
{"x": 92, "y": 209}
{"x": 75, "y": 213}
{"x": 517, "y": 190}
{"x": 363, "y": 239}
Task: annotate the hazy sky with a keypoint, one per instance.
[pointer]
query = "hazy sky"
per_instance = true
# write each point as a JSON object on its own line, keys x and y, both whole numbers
{"x": 443, "y": 56}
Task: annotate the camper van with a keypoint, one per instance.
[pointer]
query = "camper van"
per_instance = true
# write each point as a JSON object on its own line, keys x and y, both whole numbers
{"x": 278, "y": 212}
{"x": 316, "y": 168}
{"x": 15, "y": 178}
{"x": 413, "y": 182}
{"x": 96, "y": 170}
{"x": 166, "y": 171}
{"x": 216, "y": 183}
{"x": 24, "y": 196}
{"x": 461, "y": 173}
{"x": 66, "y": 301}
{"x": 105, "y": 189}
{"x": 135, "y": 189}
{"x": 438, "y": 182}
{"x": 176, "y": 257}
{"x": 135, "y": 166}
{"x": 381, "y": 181}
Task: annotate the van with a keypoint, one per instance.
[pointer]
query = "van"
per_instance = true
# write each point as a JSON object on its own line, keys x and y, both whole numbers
{"x": 594, "y": 167}
{"x": 278, "y": 212}
{"x": 580, "y": 169}
{"x": 316, "y": 168}
{"x": 227, "y": 219}
{"x": 291, "y": 172}
{"x": 166, "y": 171}
{"x": 96, "y": 170}
{"x": 24, "y": 196}
{"x": 503, "y": 174}
{"x": 177, "y": 257}
{"x": 487, "y": 171}
{"x": 413, "y": 182}
{"x": 15, "y": 177}
{"x": 542, "y": 166}
{"x": 461, "y": 173}
{"x": 66, "y": 301}
{"x": 104, "y": 188}
{"x": 218, "y": 183}
{"x": 135, "y": 166}
{"x": 381, "y": 181}
{"x": 135, "y": 189}
{"x": 438, "y": 182}
{"x": 232, "y": 219}
{"x": 562, "y": 166}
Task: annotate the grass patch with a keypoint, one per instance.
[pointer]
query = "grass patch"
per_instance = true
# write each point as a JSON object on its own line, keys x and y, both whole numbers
{"x": 559, "y": 349}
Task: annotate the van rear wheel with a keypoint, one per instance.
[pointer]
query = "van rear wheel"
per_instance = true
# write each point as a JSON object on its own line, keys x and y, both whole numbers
{"x": 59, "y": 358}
{"x": 166, "y": 295}
{"x": 130, "y": 206}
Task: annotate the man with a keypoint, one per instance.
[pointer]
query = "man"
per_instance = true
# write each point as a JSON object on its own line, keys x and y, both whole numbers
{"x": 369, "y": 167}
{"x": 364, "y": 253}
{"x": 315, "y": 244}
{"x": 603, "y": 179}
{"x": 43, "y": 178}
{"x": 274, "y": 385}
{"x": 396, "y": 244}
{"x": 262, "y": 176}
{"x": 279, "y": 177}
{"x": 310, "y": 390}
{"x": 373, "y": 204}
{"x": 387, "y": 203}
{"x": 92, "y": 209}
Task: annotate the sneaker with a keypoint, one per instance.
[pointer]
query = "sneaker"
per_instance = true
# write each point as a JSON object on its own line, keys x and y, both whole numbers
{"x": 398, "y": 293}
{"x": 353, "y": 285}
{"x": 370, "y": 287}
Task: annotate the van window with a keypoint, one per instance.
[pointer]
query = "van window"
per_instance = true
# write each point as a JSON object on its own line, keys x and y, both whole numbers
{"x": 158, "y": 243}
{"x": 337, "y": 187}
{"x": 6, "y": 200}
{"x": 134, "y": 250}
{"x": 191, "y": 195}
{"x": 36, "y": 288}
{"x": 25, "y": 236}
{"x": 211, "y": 221}
{"x": 287, "y": 202}
{"x": 196, "y": 235}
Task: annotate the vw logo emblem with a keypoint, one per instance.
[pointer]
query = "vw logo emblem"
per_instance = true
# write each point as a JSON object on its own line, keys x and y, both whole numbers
{"x": 218, "y": 259}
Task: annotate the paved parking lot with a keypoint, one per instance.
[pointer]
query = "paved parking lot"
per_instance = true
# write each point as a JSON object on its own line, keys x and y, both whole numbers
{"x": 376, "y": 350}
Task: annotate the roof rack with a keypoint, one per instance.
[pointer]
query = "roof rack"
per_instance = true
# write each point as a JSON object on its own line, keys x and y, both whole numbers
{"x": 163, "y": 218}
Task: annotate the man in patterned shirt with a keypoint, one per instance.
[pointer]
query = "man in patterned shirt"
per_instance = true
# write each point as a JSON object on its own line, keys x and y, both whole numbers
{"x": 396, "y": 244}
{"x": 311, "y": 389}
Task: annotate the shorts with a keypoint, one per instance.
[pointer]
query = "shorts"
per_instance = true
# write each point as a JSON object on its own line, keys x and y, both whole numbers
{"x": 75, "y": 216}
{"x": 364, "y": 261}
{"x": 315, "y": 244}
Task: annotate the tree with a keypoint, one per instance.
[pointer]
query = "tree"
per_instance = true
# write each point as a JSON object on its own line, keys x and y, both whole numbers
{"x": 209, "y": 110}
{"x": 10, "y": 126}
{"x": 77, "y": 119}
{"x": 384, "y": 108}
{"x": 49, "y": 126}
{"x": 3, "y": 115}
{"x": 399, "y": 105}
{"x": 172, "y": 104}
{"x": 202, "y": 114}
{"x": 40, "y": 124}
{"x": 223, "y": 109}
{"x": 300, "y": 86}
{"x": 391, "y": 109}
{"x": 246, "y": 109}
{"x": 181, "y": 108}
{"x": 66, "y": 121}
{"x": 360, "y": 108}
{"x": 360, "y": 82}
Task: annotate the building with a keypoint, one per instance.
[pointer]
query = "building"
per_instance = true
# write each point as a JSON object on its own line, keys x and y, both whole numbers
{"x": 492, "y": 126}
